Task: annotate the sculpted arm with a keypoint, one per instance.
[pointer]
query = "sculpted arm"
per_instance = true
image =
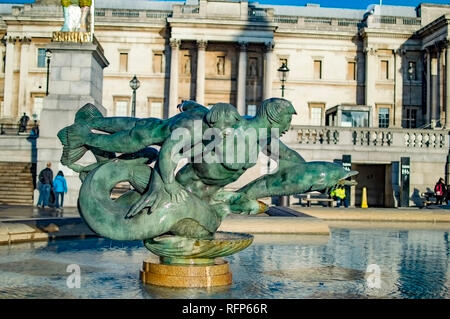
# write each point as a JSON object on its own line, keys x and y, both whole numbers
{"x": 143, "y": 134}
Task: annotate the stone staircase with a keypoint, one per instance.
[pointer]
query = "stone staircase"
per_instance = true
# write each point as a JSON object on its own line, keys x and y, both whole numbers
{"x": 16, "y": 184}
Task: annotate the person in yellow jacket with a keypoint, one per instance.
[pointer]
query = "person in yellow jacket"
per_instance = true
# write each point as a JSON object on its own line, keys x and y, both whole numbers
{"x": 339, "y": 195}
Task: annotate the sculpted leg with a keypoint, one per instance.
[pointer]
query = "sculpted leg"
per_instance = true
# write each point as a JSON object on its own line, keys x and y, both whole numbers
{"x": 84, "y": 14}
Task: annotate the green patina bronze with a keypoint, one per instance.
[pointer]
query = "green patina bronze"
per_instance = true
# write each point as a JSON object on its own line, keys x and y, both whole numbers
{"x": 177, "y": 214}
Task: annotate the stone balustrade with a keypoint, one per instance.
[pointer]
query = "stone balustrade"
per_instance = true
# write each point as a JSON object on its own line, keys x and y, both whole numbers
{"x": 384, "y": 138}
{"x": 315, "y": 22}
{"x": 389, "y": 21}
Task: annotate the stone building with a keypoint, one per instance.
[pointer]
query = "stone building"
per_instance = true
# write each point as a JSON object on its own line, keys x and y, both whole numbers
{"x": 371, "y": 83}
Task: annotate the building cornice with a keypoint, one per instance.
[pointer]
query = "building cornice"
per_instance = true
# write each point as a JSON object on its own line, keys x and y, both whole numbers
{"x": 434, "y": 26}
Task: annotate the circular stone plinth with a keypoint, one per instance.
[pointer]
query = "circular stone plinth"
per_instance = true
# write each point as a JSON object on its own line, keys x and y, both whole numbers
{"x": 186, "y": 276}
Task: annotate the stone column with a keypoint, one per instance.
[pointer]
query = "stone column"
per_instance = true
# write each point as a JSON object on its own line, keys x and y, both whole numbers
{"x": 23, "y": 77}
{"x": 242, "y": 79}
{"x": 428, "y": 113}
{"x": 76, "y": 78}
{"x": 200, "y": 91}
{"x": 447, "y": 84}
{"x": 173, "y": 89}
{"x": 268, "y": 70}
{"x": 9, "y": 78}
{"x": 370, "y": 77}
{"x": 398, "y": 103}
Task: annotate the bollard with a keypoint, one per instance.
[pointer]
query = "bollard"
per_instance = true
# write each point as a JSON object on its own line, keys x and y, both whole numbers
{"x": 364, "y": 198}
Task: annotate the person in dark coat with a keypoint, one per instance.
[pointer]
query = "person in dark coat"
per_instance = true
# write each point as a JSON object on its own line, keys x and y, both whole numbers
{"x": 440, "y": 191}
{"x": 23, "y": 123}
{"x": 45, "y": 186}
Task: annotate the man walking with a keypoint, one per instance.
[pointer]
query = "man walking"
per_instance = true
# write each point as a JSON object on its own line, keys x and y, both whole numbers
{"x": 45, "y": 186}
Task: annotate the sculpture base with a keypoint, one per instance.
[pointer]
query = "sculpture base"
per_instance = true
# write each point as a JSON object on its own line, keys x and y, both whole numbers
{"x": 187, "y": 276}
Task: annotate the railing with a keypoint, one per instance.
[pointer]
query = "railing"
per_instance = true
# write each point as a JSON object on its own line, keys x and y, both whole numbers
{"x": 373, "y": 137}
{"x": 286, "y": 19}
{"x": 125, "y": 13}
{"x": 388, "y": 21}
{"x": 314, "y": 22}
{"x": 385, "y": 20}
{"x": 13, "y": 129}
{"x": 187, "y": 9}
{"x": 257, "y": 14}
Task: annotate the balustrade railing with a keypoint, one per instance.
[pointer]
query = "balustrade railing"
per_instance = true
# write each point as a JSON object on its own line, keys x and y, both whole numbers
{"x": 372, "y": 137}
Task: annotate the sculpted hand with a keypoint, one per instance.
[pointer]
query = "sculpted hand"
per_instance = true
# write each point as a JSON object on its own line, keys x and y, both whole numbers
{"x": 147, "y": 200}
{"x": 176, "y": 192}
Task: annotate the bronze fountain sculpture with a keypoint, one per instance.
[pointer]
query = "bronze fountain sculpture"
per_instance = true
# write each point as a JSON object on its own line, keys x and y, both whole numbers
{"x": 177, "y": 213}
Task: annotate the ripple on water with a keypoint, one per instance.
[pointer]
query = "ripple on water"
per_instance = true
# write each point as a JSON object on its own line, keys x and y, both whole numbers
{"x": 413, "y": 264}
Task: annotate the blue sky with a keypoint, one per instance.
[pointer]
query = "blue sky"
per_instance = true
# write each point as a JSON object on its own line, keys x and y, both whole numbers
{"x": 357, "y": 4}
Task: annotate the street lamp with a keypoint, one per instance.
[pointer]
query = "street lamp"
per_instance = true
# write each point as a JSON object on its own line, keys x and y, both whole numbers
{"x": 134, "y": 84}
{"x": 283, "y": 74}
{"x": 48, "y": 54}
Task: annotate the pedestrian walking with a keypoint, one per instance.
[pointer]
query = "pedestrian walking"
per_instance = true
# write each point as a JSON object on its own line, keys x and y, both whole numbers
{"x": 440, "y": 191}
{"x": 60, "y": 188}
{"x": 45, "y": 186}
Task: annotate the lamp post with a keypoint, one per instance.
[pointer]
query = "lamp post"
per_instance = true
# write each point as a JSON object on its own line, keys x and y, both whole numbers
{"x": 134, "y": 84}
{"x": 48, "y": 54}
{"x": 36, "y": 128}
{"x": 410, "y": 76}
{"x": 283, "y": 72}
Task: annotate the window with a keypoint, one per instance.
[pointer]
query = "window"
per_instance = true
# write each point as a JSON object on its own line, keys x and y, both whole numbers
{"x": 157, "y": 63}
{"x": 317, "y": 69}
{"x": 41, "y": 58}
{"x": 316, "y": 116}
{"x": 383, "y": 117}
{"x": 121, "y": 107}
{"x": 251, "y": 110}
{"x": 351, "y": 71}
{"x": 156, "y": 109}
{"x": 355, "y": 119}
{"x": 410, "y": 117}
{"x": 385, "y": 70}
{"x": 316, "y": 113}
{"x": 38, "y": 104}
{"x": 123, "y": 62}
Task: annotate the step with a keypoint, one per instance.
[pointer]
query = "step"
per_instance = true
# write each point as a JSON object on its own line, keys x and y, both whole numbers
{"x": 19, "y": 203}
{"x": 15, "y": 196}
{"x": 28, "y": 186}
